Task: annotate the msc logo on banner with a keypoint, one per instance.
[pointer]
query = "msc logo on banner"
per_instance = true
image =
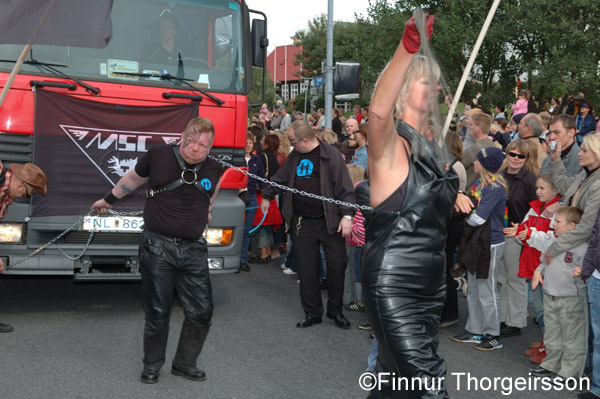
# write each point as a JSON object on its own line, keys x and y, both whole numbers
{"x": 115, "y": 152}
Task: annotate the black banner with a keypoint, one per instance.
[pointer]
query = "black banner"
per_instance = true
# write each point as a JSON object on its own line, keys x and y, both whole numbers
{"x": 85, "y": 147}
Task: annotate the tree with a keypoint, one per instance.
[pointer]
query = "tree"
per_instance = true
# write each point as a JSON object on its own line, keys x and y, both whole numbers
{"x": 255, "y": 95}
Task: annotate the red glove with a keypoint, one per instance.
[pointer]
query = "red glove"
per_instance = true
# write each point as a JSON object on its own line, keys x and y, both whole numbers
{"x": 410, "y": 37}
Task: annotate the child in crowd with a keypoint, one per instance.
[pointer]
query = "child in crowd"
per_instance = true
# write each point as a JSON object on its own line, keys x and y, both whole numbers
{"x": 566, "y": 314}
{"x": 521, "y": 106}
{"x": 537, "y": 221}
{"x": 482, "y": 252}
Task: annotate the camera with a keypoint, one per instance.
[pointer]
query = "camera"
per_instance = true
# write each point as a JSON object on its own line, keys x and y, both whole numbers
{"x": 552, "y": 145}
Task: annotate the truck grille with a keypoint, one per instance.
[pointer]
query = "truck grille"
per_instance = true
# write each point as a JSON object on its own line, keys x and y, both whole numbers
{"x": 16, "y": 148}
{"x": 81, "y": 237}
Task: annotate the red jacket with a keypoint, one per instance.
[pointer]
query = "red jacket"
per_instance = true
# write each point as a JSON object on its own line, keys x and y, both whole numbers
{"x": 530, "y": 257}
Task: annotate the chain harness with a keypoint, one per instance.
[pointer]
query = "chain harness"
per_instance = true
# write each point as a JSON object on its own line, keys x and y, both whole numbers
{"x": 177, "y": 183}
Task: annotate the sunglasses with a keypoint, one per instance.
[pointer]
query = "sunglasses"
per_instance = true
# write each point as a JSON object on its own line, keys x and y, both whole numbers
{"x": 515, "y": 155}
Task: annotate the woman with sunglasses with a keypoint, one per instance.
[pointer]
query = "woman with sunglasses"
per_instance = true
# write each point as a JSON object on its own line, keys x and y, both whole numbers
{"x": 520, "y": 182}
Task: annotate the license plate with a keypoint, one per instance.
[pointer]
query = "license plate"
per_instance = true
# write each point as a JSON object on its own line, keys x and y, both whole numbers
{"x": 132, "y": 224}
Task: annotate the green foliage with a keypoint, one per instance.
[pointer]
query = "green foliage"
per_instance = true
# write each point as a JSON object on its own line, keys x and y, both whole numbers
{"x": 255, "y": 95}
{"x": 554, "y": 43}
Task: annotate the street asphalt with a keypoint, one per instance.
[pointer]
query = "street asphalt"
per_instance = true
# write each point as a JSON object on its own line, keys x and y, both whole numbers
{"x": 82, "y": 340}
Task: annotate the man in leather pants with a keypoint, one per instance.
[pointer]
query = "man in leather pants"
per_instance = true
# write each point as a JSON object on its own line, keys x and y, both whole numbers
{"x": 173, "y": 255}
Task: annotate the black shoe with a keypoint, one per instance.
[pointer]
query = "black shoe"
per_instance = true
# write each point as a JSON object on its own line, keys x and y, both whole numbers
{"x": 503, "y": 326}
{"x": 194, "y": 373}
{"x": 245, "y": 267}
{"x": 149, "y": 376}
{"x": 541, "y": 372}
{"x": 309, "y": 322}
{"x": 259, "y": 260}
{"x": 510, "y": 332}
{"x": 5, "y": 328}
{"x": 340, "y": 320}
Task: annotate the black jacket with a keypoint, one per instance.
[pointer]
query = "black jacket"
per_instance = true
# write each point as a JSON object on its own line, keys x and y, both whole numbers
{"x": 474, "y": 251}
{"x": 335, "y": 184}
{"x": 520, "y": 194}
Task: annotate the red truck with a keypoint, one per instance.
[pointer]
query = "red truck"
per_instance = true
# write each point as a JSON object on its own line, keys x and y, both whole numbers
{"x": 86, "y": 115}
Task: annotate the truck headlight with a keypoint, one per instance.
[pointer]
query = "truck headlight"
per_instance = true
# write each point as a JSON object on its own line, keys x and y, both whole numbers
{"x": 218, "y": 237}
{"x": 11, "y": 233}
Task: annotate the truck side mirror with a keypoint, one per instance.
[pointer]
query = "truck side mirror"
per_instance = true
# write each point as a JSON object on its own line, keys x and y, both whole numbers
{"x": 259, "y": 42}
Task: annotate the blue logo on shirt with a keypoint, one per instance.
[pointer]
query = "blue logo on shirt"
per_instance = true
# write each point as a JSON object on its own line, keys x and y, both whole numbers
{"x": 206, "y": 184}
{"x": 304, "y": 169}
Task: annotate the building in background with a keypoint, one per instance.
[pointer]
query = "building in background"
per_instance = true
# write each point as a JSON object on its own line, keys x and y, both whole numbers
{"x": 282, "y": 68}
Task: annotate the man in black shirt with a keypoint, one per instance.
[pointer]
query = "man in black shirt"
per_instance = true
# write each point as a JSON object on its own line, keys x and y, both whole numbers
{"x": 317, "y": 168}
{"x": 173, "y": 256}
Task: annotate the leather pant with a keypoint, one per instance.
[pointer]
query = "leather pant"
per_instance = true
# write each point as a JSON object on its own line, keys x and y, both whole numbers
{"x": 169, "y": 265}
{"x": 404, "y": 290}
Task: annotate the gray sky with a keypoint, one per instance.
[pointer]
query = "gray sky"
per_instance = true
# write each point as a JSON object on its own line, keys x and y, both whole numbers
{"x": 286, "y": 17}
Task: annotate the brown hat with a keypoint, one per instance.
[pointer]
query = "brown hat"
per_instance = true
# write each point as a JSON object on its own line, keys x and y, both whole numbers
{"x": 32, "y": 175}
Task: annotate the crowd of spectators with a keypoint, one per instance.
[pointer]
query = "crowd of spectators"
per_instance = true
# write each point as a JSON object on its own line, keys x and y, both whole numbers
{"x": 521, "y": 167}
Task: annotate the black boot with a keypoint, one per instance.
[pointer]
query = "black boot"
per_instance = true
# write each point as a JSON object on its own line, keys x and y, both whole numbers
{"x": 155, "y": 345}
{"x": 190, "y": 345}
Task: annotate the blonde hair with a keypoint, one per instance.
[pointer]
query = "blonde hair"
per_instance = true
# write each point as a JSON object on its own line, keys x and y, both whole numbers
{"x": 572, "y": 214}
{"x": 284, "y": 143}
{"x": 488, "y": 178}
{"x": 592, "y": 143}
{"x": 529, "y": 149}
{"x": 419, "y": 66}
{"x": 356, "y": 173}
{"x": 328, "y": 136}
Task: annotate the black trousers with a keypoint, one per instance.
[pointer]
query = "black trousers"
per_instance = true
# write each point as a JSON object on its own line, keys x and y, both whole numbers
{"x": 169, "y": 265}
{"x": 455, "y": 233}
{"x": 308, "y": 236}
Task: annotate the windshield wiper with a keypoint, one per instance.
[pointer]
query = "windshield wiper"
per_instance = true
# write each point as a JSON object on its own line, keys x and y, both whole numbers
{"x": 51, "y": 68}
{"x": 166, "y": 76}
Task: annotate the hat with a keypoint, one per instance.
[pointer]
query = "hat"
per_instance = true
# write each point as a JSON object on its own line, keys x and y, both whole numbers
{"x": 32, "y": 175}
{"x": 578, "y": 97}
{"x": 584, "y": 105}
{"x": 491, "y": 158}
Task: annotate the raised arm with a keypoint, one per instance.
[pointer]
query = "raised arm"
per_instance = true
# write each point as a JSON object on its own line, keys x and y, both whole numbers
{"x": 381, "y": 120}
{"x": 126, "y": 185}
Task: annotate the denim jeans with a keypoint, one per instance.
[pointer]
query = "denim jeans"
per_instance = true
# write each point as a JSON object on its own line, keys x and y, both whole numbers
{"x": 248, "y": 224}
{"x": 372, "y": 360}
{"x": 593, "y": 289}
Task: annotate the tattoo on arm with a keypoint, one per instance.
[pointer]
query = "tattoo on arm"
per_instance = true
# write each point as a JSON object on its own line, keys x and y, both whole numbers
{"x": 126, "y": 190}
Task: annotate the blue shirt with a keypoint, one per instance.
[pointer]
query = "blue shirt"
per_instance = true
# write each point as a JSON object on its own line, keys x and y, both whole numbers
{"x": 360, "y": 158}
{"x": 492, "y": 206}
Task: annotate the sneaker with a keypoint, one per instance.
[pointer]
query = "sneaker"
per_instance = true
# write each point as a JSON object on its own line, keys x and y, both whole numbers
{"x": 357, "y": 306}
{"x": 467, "y": 337}
{"x": 490, "y": 343}
{"x": 536, "y": 344}
{"x": 287, "y": 270}
{"x": 535, "y": 351}
{"x": 364, "y": 326}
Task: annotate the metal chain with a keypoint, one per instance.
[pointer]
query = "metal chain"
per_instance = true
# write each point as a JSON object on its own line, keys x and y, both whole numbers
{"x": 40, "y": 249}
{"x": 70, "y": 228}
{"x": 293, "y": 190}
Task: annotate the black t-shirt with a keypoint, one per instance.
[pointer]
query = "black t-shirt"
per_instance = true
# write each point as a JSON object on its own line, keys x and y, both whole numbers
{"x": 308, "y": 178}
{"x": 183, "y": 211}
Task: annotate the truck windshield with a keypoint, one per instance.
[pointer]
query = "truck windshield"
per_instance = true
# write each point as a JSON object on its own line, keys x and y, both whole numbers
{"x": 199, "y": 40}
